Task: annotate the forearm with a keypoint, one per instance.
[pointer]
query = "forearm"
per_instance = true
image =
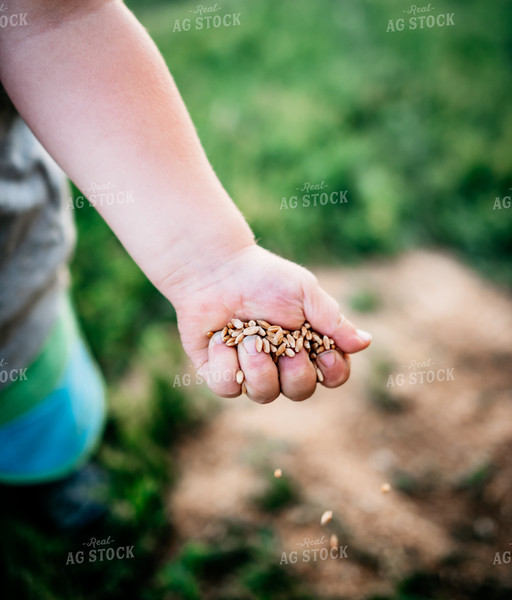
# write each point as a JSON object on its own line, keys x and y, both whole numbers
{"x": 95, "y": 90}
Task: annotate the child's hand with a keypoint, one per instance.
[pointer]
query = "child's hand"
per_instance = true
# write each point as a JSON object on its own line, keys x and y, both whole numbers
{"x": 256, "y": 284}
{"x": 183, "y": 229}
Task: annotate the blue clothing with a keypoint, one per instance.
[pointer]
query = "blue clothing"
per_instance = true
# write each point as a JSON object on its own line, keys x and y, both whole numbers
{"x": 58, "y": 434}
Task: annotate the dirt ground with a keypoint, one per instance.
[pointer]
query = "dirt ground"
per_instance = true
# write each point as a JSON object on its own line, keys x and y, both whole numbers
{"x": 444, "y": 445}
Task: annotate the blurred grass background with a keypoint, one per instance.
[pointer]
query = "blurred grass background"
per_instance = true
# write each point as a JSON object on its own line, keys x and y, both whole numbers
{"x": 416, "y": 125}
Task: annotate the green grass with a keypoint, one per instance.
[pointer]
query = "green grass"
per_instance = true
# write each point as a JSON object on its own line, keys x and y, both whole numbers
{"x": 365, "y": 301}
{"x": 280, "y": 492}
{"x": 244, "y": 565}
{"x": 414, "y": 125}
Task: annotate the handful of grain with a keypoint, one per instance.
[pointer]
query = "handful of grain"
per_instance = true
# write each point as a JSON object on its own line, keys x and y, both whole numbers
{"x": 275, "y": 341}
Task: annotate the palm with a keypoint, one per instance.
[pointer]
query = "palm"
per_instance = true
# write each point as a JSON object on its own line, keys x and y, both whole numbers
{"x": 255, "y": 284}
{"x": 259, "y": 285}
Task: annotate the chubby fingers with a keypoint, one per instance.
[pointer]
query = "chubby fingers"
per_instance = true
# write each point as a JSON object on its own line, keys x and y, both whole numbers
{"x": 334, "y": 367}
{"x": 220, "y": 370}
{"x": 294, "y": 376}
{"x": 323, "y": 312}
{"x": 261, "y": 376}
{"x": 297, "y": 376}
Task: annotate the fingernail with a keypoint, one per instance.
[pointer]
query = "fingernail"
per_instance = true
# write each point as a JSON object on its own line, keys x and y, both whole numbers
{"x": 363, "y": 335}
{"x": 250, "y": 344}
{"x": 217, "y": 338}
{"x": 327, "y": 359}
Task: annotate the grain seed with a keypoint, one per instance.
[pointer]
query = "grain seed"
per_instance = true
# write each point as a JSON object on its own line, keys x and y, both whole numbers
{"x": 244, "y": 388}
{"x": 240, "y": 376}
{"x": 326, "y": 517}
{"x": 251, "y": 330}
{"x": 276, "y": 341}
{"x": 386, "y": 488}
{"x": 333, "y": 541}
{"x": 278, "y": 473}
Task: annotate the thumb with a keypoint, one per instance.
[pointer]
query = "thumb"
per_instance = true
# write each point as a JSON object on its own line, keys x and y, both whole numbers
{"x": 324, "y": 314}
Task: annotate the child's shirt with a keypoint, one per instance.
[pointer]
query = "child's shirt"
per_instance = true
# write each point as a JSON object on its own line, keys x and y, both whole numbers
{"x": 36, "y": 240}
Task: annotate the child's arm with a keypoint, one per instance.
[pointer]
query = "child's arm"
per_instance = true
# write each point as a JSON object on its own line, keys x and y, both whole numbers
{"x": 91, "y": 84}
